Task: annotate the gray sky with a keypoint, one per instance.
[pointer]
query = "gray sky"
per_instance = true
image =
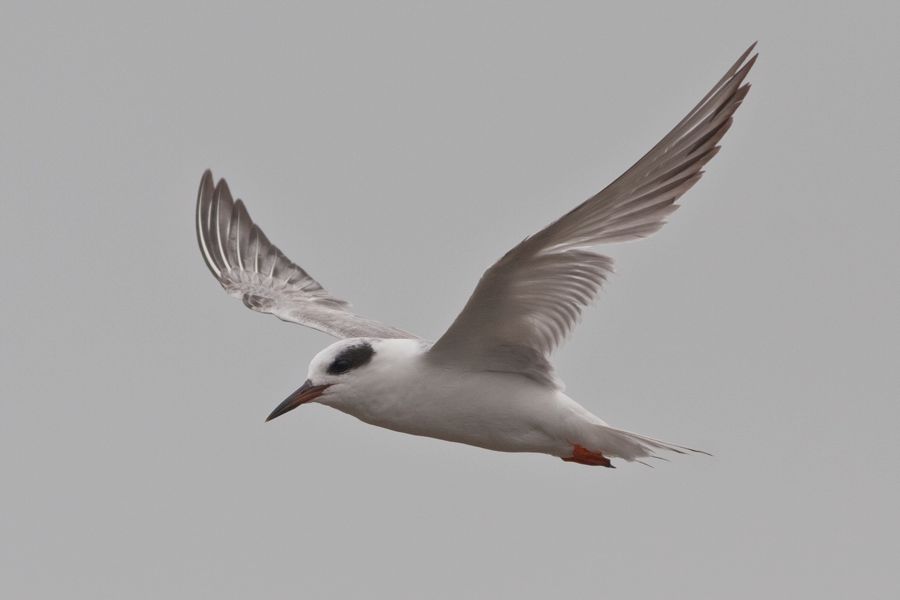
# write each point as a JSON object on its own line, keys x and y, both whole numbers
{"x": 396, "y": 151}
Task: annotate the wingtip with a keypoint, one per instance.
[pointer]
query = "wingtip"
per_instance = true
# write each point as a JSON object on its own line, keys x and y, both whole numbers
{"x": 752, "y": 58}
{"x": 219, "y": 188}
{"x": 748, "y": 51}
{"x": 222, "y": 190}
{"x": 744, "y": 63}
{"x": 206, "y": 181}
{"x": 751, "y": 61}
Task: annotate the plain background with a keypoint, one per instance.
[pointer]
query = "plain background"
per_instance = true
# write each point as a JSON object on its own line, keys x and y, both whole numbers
{"x": 396, "y": 150}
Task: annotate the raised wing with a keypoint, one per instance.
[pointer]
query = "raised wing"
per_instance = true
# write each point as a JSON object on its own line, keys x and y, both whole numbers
{"x": 253, "y": 269}
{"x": 528, "y": 301}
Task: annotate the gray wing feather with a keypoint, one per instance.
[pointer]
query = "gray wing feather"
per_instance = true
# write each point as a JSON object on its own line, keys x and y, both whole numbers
{"x": 250, "y": 267}
{"x": 533, "y": 296}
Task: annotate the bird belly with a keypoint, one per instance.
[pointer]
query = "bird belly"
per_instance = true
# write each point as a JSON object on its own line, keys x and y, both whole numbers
{"x": 496, "y": 411}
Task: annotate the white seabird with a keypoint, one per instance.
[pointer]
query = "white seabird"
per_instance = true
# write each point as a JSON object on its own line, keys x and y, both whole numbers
{"x": 488, "y": 380}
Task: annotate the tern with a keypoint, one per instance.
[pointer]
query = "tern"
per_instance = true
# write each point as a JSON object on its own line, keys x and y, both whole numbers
{"x": 488, "y": 380}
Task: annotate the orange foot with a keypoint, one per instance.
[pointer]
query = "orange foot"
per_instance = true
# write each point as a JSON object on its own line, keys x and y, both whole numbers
{"x": 584, "y": 456}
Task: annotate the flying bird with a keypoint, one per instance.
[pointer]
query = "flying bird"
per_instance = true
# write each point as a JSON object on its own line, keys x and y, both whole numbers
{"x": 488, "y": 380}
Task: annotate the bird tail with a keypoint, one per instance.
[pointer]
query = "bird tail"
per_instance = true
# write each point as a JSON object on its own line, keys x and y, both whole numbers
{"x": 618, "y": 443}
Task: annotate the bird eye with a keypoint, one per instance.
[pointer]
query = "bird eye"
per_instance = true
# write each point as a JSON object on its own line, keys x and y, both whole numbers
{"x": 351, "y": 358}
{"x": 340, "y": 366}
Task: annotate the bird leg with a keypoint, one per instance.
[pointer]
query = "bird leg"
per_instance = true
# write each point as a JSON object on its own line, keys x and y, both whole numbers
{"x": 583, "y": 456}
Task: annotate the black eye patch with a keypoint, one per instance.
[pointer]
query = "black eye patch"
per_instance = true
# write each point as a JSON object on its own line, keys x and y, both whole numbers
{"x": 351, "y": 358}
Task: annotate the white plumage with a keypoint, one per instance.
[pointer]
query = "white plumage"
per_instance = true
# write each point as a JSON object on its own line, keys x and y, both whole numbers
{"x": 488, "y": 380}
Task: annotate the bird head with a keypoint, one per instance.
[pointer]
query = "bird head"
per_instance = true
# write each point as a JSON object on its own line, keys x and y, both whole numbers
{"x": 339, "y": 372}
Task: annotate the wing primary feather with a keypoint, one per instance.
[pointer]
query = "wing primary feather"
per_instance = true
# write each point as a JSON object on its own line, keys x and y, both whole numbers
{"x": 234, "y": 237}
{"x": 220, "y": 216}
{"x": 204, "y": 205}
{"x": 254, "y": 247}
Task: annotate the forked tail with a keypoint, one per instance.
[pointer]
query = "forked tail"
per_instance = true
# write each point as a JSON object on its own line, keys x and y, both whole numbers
{"x": 608, "y": 442}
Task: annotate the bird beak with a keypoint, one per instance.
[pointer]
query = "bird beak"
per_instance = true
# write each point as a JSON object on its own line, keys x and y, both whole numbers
{"x": 304, "y": 394}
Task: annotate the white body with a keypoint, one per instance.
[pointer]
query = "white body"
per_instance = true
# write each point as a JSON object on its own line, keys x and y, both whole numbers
{"x": 497, "y": 411}
{"x": 400, "y": 389}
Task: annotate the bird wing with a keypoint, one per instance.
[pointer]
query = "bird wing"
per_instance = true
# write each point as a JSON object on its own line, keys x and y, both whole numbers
{"x": 251, "y": 268}
{"x": 528, "y": 301}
